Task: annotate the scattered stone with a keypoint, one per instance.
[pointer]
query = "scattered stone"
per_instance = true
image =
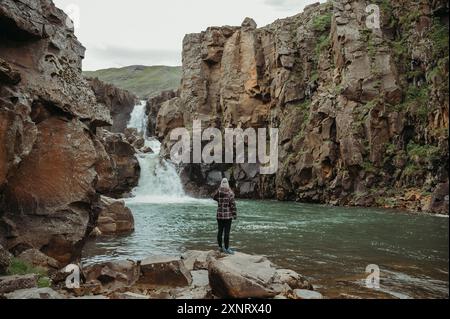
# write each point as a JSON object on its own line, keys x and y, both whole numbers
{"x": 200, "y": 278}
{"x": 198, "y": 260}
{"x": 291, "y": 278}
{"x": 129, "y": 295}
{"x": 193, "y": 293}
{"x": 112, "y": 275}
{"x": 247, "y": 276}
{"x": 307, "y": 294}
{"x": 241, "y": 276}
{"x": 11, "y": 283}
{"x": 35, "y": 293}
{"x": 38, "y": 259}
{"x": 114, "y": 217}
{"x": 99, "y": 297}
{"x": 164, "y": 271}
{"x": 440, "y": 199}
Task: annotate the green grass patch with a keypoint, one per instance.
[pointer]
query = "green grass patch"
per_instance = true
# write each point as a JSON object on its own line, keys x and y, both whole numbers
{"x": 391, "y": 149}
{"x": 368, "y": 167}
{"x": 305, "y": 105}
{"x": 322, "y": 22}
{"x": 439, "y": 36}
{"x": 44, "y": 282}
{"x": 410, "y": 17}
{"x": 421, "y": 152}
{"x": 323, "y": 43}
{"x": 411, "y": 170}
{"x": 144, "y": 81}
{"x": 19, "y": 267}
{"x": 416, "y": 102}
{"x": 386, "y": 10}
{"x": 314, "y": 77}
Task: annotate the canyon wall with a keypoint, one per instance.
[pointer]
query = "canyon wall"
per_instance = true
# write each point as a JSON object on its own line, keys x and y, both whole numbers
{"x": 362, "y": 113}
{"x": 53, "y": 166}
{"x": 119, "y": 102}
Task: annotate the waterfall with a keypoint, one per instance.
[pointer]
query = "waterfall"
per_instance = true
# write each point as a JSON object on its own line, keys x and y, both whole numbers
{"x": 138, "y": 118}
{"x": 159, "y": 181}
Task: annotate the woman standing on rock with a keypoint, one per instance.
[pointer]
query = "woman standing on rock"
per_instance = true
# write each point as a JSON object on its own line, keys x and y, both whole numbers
{"x": 226, "y": 212}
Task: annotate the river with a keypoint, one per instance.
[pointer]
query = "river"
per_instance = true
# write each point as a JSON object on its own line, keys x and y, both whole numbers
{"x": 331, "y": 246}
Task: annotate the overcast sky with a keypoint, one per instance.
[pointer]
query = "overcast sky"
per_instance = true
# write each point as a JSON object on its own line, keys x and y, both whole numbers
{"x": 150, "y": 32}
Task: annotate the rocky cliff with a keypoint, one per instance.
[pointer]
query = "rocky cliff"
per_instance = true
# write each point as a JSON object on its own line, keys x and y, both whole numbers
{"x": 53, "y": 167}
{"x": 362, "y": 113}
{"x": 153, "y": 106}
{"x": 119, "y": 102}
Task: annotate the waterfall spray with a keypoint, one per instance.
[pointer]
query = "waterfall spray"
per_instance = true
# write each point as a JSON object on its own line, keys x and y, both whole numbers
{"x": 159, "y": 181}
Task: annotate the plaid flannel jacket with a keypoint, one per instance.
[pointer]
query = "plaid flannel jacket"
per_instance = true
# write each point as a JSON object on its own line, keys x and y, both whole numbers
{"x": 226, "y": 204}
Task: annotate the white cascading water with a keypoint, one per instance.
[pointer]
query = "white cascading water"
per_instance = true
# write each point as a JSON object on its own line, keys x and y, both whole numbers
{"x": 159, "y": 181}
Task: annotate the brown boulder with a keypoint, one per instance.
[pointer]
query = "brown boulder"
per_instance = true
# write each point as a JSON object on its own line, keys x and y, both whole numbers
{"x": 113, "y": 275}
{"x": 114, "y": 217}
{"x": 244, "y": 276}
{"x": 439, "y": 201}
{"x": 154, "y": 105}
{"x": 227, "y": 281}
{"x": 12, "y": 283}
{"x": 306, "y": 294}
{"x": 48, "y": 201}
{"x": 120, "y": 174}
{"x": 38, "y": 259}
{"x": 48, "y": 119}
{"x": 164, "y": 272}
{"x": 129, "y": 296}
{"x": 197, "y": 259}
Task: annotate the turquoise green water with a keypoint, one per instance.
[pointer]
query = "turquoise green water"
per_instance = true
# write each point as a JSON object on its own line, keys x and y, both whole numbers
{"x": 330, "y": 246}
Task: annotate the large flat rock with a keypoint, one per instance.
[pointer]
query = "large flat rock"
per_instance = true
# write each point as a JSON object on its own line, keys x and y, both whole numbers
{"x": 247, "y": 276}
{"x": 164, "y": 271}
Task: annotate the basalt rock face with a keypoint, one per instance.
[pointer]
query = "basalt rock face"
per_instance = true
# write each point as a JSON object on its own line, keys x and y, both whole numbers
{"x": 362, "y": 113}
{"x": 154, "y": 105}
{"x": 117, "y": 166}
{"x": 49, "y": 152}
{"x": 119, "y": 102}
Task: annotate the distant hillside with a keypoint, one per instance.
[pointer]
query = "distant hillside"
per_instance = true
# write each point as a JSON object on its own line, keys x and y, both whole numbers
{"x": 144, "y": 81}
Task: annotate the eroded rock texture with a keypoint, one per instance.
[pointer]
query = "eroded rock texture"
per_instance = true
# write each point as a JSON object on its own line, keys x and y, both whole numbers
{"x": 362, "y": 113}
{"x": 120, "y": 103}
{"x": 51, "y": 160}
{"x": 153, "y": 106}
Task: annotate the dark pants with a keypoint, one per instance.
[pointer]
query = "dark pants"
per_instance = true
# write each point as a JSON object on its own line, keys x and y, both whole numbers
{"x": 224, "y": 231}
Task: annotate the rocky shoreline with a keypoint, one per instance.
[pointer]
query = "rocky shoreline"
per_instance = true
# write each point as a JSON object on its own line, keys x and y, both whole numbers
{"x": 193, "y": 275}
